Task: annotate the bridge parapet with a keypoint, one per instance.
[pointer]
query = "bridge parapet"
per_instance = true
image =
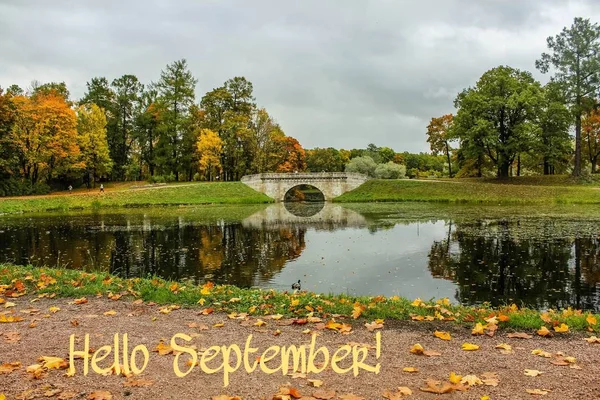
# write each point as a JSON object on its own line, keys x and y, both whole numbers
{"x": 331, "y": 184}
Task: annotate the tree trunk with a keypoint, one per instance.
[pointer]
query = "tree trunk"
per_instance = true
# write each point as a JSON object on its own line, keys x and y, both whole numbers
{"x": 594, "y": 162}
{"x": 546, "y": 166}
{"x": 577, "y": 168}
{"x": 449, "y": 163}
{"x": 519, "y": 165}
{"x": 503, "y": 169}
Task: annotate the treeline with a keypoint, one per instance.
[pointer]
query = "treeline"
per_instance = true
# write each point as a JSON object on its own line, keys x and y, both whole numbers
{"x": 509, "y": 124}
{"x": 125, "y": 130}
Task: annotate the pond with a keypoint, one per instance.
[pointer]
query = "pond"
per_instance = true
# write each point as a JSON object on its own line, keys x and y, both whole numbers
{"x": 469, "y": 254}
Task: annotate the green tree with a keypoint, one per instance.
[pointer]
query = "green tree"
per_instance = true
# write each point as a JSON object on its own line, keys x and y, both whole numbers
{"x": 498, "y": 113}
{"x": 362, "y": 165}
{"x": 45, "y": 89}
{"x": 324, "y": 160}
{"x": 439, "y": 137}
{"x": 575, "y": 59}
{"x": 91, "y": 129}
{"x": 176, "y": 95}
{"x": 127, "y": 92}
{"x": 147, "y": 125}
{"x": 100, "y": 93}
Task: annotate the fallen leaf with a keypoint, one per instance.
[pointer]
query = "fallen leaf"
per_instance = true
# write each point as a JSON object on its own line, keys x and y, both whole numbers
{"x": 54, "y": 309}
{"x": 53, "y": 362}
{"x": 398, "y": 394}
{"x": 110, "y": 313}
{"x": 454, "y": 378}
{"x": 592, "y": 339}
{"x": 324, "y": 394}
{"x": 471, "y": 380}
{"x": 410, "y": 369}
{"x": 541, "y": 353}
{"x": 470, "y": 347}
{"x": 7, "y": 368}
{"x": 506, "y": 348}
{"x": 519, "y": 335}
{"x": 130, "y": 382}
{"x": 442, "y": 335}
{"x": 478, "y": 329}
{"x": 163, "y": 349}
{"x": 562, "y": 328}
{"x": 590, "y": 319}
{"x": 12, "y": 337}
{"x": 540, "y": 392}
{"x": 533, "y": 372}
{"x": 99, "y": 395}
{"x": 373, "y": 325}
{"x": 315, "y": 383}
{"x": 417, "y": 349}
{"x": 350, "y": 396}
{"x": 82, "y": 300}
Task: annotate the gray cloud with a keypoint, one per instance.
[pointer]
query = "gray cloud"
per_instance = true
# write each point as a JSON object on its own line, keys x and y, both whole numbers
{"x": 333, "y": 73}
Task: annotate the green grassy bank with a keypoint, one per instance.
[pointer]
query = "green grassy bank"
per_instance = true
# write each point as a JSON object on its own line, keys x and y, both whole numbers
{"x": 183, "y": 194}
{"x": 18, "y": 280}
{"x": 473, "y": 191}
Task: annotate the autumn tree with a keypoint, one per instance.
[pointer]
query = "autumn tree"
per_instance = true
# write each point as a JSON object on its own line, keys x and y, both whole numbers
{"x": 591, "y": 137}
{"x": 439, "y": 137}
{"x": 44, "y": 136}
{"x": 176, "y": 96}
{"x": 209, "y": 147}
{"x": 498, "y": 115}
{"x": 91, "y": 128}
{"x": 324, "y": 160}
{"x": 50, "y": 88}
{"x": 292, "y": 156}
{"x": 575, "y": 61}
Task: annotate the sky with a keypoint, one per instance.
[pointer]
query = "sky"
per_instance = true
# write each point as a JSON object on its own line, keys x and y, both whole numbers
{"x": 332, "y": 73}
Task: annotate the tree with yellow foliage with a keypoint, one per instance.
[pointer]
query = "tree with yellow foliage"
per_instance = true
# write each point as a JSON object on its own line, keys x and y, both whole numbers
{"x": 208, "y": 149}
{"x": 95, "y": 157}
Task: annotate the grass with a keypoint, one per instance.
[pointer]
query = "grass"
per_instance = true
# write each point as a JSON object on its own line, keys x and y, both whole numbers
{"x": 124, "y": 196}
{"x": 27, "y": 280}
{"x": 473, "y": 192}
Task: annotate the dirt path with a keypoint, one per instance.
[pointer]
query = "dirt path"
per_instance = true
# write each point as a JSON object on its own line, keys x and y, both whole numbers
{"x": 145, "y": 324}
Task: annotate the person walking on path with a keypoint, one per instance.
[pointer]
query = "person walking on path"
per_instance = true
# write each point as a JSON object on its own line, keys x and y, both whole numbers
{"x": 101, "y": 188}
{"x": 70, "y": 189}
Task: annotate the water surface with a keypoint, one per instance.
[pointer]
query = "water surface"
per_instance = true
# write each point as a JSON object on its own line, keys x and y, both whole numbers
{"x": 467, "y": 254}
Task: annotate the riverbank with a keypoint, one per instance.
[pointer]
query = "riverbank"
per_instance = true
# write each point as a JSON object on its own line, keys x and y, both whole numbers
{"x": 472, "y": 191}
{"x": 21, "y": 280}
{"x": 412, "y": 355}
{"x": 140, "y": 196}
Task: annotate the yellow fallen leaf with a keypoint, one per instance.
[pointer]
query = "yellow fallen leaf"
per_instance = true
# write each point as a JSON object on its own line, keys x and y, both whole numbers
{"x": 417, "y": 302}
{"x": 410, "y": 369}
{"x": 504, "y": 346}
{"x": 543, "y": 331}
{"x": 9, "y": 304}
{"x": 470, "y": 347}
{"x": 110, "y": 313}
{"x": 276, "y": 317}
{"x": 533, "y": 372}
{"x": 442, "y": 335}
{"x": 591, "y": 319}
{"x": 471, "y": 380}
{"x": 54, "y": 309}
{"x": 259, "y": 322}
{"x": 455, "y": 378}
{"x": 478, "y": 329}
{"x": 54, "y": 362}
{"x": 202, "y": 301}
{"x": 541, "y": 353}
{"x": 562, "y": 328}
{"x": 540, "y": 392}
{"x": 417, "y": 349}
{"x": 315, "y": 383}
{"x": 592, "y": 339}
{"x": 218, "y": 325}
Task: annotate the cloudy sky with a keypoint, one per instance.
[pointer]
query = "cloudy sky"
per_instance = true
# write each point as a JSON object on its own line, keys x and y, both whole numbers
{"x": 341, "y": 73}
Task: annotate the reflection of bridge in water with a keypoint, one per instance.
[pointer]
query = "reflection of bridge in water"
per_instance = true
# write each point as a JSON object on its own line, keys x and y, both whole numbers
{"x": 310, "y": 215}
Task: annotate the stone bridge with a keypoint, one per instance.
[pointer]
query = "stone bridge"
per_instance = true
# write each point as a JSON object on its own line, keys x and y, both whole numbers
{"x": 331, "y": 184}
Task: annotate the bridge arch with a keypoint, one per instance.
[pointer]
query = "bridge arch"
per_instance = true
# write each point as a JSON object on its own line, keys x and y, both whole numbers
{"x": 304, "y": 192}
{"x": 331, "y": 184}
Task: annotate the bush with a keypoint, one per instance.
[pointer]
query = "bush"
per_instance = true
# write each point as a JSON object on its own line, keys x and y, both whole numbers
{"x": 14, "y": 187}
{"x": 161, "y": 178}
{"x": 362, "y": 165}
{"x": 390, "y": 170}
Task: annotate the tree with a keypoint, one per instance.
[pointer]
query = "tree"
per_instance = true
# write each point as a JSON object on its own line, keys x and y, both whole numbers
{"x": 176, "y": 95}
{"x": 575, "y": 58}
{"x": 147, "y": 125}
{"x": 324, "y": 160}
{"x": 591, "y": 137}
{"x": 55, "y": 88}
{"x": 498, "y": 114}
{"x": 553, "y": 143}
{"x": 438, "y": 132}
{"x": 127, "y": 90}
{"x": 265, "y": 134}
{"x": 362, "y": 165}
{"x": 209, "y": 147}
{"x": 91, "y": 128}
{"x": 44, "y": 136}
{"x": 293, "y": 156}
{"x": 100, "y": 93}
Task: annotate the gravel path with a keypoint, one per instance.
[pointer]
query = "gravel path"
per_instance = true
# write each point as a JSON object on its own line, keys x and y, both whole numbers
{"x": 503, "y": 371}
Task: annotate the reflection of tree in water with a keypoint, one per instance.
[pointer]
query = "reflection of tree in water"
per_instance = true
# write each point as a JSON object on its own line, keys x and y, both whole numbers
{"x": 503, "y": 269}
{"x": 221, "y": 253}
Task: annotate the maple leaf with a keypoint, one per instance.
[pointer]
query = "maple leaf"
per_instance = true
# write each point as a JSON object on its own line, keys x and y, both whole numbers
{"x": 9, "y": 319}
{"x": 541, "y": 353}
{"x": 592, "y": 339}
{"x": 357, "y": 310}
{"x": 440, "y": 388}
{"x": 398, "y": 394}
{"x": 315, "y": 383}
{"x": 350, "y": 396}
{"x": 276, "y": 317}
{"x": 546, "y": 318}
{"x": 110, "y": 313}
{"x": 562, "y": 328}
{"x": 53, "y": 362}
{"x": 410, "y": 369}
{"x": 533, "y": 372}
{"x": 259, "y": 322}
{"x": 163, "y": 349}
{"x": 324, "y": 394}
{"x": 506, "y": 348}
{"x": 12, "y": 337}
{"x": 471, "y": 380}
{"x": 99, "y": 395}
{"x": 470, "y": 347}
{"x": 7, "y": 368}
{"x": 543, "y": 331}
{"x": 478, "y": 329}
{"x": 81, "y": 300}
{"x": 417, "y": 349}
{"x": 442, "y": 335}
{"x": 417, "y": 302}
{"x": 540, "y": 392}
{"x": 219, "y": 325}
{"x": 130, "y": 382}
{"x": 519, "y": 335}
{"x": 590, "y": 319}
{"x": 54, "y": 309}
{"x": 455, "y": 379}
{"x": 373, "y": 325}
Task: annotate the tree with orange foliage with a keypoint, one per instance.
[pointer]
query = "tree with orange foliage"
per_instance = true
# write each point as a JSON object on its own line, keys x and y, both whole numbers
{"x": 292, "y": 155}
{"x": 591, "y": 137}
{"x": 437, "y": 132}
{"x": 44, "y": 135}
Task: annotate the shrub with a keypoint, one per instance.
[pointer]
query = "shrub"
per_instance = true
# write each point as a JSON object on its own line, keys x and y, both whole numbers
{"x": 363, "y": 165}
{"x": 390, "y": 170}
